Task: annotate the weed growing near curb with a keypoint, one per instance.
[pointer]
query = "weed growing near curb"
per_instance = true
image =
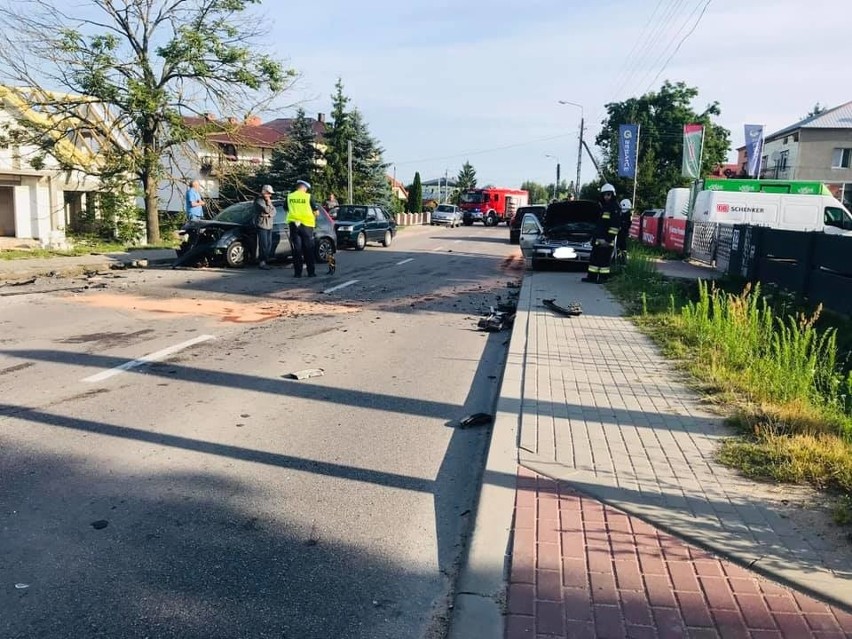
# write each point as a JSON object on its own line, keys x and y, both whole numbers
{"x": 780, "y": 373}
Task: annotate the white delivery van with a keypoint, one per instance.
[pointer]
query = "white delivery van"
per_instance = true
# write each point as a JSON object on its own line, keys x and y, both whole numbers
{"x": 782, "y": 211}
{"x": 677, "y": 203}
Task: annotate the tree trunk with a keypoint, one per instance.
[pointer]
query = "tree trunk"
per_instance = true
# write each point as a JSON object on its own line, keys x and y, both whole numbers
{"x": 152, "y": 205}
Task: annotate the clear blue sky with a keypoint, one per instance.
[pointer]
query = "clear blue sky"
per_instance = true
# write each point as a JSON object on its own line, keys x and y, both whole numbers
{"x": 440, "y": 82}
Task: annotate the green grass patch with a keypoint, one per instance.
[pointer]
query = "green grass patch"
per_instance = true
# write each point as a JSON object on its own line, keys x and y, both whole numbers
{"x": 777, "y": 366}
{"x": 80, "y": 247}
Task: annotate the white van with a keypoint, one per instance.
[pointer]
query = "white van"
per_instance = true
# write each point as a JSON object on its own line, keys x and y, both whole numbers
{"x": 677, "y": 203}
{"x": 782, "y": 211}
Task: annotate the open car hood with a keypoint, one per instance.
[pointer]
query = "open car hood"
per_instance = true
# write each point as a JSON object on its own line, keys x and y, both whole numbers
{"x": 560, "y": 213}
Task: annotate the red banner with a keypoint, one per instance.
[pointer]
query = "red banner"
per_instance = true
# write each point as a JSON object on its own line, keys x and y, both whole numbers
{"x": 651, "y": 231}
{"x": 674, "y": 235}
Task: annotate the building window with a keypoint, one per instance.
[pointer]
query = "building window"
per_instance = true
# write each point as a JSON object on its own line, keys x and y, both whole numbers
{"x": 841, "y": 159}
{"x": 782, "y": 160}
{"x": 786, "y": 139}
{"x": 795, "y": 137}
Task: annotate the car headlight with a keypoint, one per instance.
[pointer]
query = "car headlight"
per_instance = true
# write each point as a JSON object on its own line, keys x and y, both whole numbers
{"x": 345, "y": 229}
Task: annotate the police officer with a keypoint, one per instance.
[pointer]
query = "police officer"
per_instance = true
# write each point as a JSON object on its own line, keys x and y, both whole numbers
{"x": 600, "y": 261}
{"x": 624, "y": 231}
{"x": 301, "y": 220}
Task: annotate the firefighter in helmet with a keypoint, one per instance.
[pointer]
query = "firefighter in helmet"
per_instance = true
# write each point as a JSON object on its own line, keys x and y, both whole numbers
{"x": 603, "y": 247}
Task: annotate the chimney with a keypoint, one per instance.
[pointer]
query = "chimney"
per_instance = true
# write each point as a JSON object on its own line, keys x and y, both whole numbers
{"x": 321, "y": 118}
{"x": 233, "y": 121}
{"x": 253, "y": 120}
{"x": 209, "y": 117}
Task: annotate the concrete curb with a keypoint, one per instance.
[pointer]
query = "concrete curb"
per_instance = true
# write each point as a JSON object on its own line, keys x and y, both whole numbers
{"x": 60, "y": 267}
{"x": 480, "y": 592}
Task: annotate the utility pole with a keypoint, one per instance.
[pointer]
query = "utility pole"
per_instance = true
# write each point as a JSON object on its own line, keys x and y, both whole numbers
{"x": 579, "y": 144}
{"x": 350, "y": 171}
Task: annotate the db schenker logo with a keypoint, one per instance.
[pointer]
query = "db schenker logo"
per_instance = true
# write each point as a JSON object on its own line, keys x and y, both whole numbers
{"x": 723, "y": 208}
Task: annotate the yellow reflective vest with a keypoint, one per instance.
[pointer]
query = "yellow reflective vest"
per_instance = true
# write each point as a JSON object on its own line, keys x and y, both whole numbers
{"x": 299, "y": 209}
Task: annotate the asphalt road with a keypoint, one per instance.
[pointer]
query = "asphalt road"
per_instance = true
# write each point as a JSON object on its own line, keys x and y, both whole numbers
{"x": 198, "y": 493}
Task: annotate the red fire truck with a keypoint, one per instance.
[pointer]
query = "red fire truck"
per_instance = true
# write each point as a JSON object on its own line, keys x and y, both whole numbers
{"x": 491, "y": 205}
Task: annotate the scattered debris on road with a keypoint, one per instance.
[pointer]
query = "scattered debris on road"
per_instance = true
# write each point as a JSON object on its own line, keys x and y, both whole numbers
{"x": 306, "y": 373}
{"x": 497, "y": 321}
{"x": 100, "y": 524}
{"x": 22, "y": 586}
{"x": 573, "y": 309}
{"x": 32, "y": 280}
{"x": 477, "y": 419}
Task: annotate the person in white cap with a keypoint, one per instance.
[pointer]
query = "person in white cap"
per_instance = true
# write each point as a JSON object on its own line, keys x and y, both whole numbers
{"x": 264, "y": 217}
{"x": 301, "y": 220}
{"x": 624, "y": 230}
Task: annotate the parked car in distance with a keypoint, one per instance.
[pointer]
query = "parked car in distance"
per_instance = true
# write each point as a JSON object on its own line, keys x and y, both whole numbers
{"x": 447, "y": 215}
{"x": 565, "y": 234}
{"x": 357, "y": 224}
{"x": 515, "y": 225}
{"x": 231, "y": 238}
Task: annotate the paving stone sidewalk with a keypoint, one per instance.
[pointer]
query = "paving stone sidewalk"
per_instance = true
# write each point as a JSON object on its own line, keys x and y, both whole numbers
{"x": 584, "y": 570}
{"x": 601, "y": 409}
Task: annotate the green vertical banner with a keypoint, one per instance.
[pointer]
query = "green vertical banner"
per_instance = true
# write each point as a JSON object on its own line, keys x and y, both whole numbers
{"x": 693, "y": 138}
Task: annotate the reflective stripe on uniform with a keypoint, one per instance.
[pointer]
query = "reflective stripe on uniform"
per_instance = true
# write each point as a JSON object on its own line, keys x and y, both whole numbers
{"x": 614, "y": 230}
{"x": 594, "y": 269}
{"x": 603, "y": 270}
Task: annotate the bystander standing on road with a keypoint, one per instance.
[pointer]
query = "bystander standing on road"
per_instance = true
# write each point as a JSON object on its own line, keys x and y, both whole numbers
{"x": 264, "y": 216}
{"x": 194, "y": 204}
{"x": 302, "y": 219}
{"x": 331, "y": 202}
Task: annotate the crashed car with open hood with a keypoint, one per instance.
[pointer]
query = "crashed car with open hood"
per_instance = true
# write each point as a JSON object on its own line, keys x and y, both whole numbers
{"x": 564, "y": 234}
{"x": 231, "y": 237}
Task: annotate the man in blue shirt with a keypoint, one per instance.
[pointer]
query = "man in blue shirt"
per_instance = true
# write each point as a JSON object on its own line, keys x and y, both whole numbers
{"x": 194, "y": 203}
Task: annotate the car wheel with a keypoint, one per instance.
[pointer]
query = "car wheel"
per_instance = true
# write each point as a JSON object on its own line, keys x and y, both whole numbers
{"x": 490, "y": 221}
{"x": 468, "y": 222}
{"x": 388, "y": 238}
{"x": 361, "y": 241}
{"x": 235, "y": 254}
{"x": 325, "y": 248}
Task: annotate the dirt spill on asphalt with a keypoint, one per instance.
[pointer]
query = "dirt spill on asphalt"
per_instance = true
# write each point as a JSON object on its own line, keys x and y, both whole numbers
{"x": 225, "y": 311}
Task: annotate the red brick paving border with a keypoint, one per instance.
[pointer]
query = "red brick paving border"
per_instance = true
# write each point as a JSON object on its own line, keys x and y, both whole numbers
{"x": 582, "y": 569}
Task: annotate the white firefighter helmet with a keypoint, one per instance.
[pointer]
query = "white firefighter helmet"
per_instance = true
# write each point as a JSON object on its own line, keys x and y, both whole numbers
{"x": 625, "y": 205}
{"x": 607, "y": 188}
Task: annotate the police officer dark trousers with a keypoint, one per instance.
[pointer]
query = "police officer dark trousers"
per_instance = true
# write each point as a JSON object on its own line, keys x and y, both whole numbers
{"x": 301, "y": 220}
{"x": 606, "y": 234}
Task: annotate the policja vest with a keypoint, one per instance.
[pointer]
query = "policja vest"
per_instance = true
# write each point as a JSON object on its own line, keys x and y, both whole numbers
{"x": 299, "y": 209}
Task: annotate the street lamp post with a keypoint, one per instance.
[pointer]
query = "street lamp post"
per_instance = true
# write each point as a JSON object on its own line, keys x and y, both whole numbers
{"x": 556, "y": 185}
{"x": 579, "y": 145}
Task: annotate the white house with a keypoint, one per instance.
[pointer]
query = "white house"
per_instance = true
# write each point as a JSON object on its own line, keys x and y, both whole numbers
{"x": 38, "y": 198}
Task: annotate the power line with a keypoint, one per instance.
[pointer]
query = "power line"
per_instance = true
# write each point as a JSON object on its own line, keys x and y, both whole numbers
{"x": 679, "y": 44}
{"x": 481, "y": 151}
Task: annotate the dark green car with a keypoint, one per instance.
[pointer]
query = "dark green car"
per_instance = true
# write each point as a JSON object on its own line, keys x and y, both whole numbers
{"x": 357, "y": 224}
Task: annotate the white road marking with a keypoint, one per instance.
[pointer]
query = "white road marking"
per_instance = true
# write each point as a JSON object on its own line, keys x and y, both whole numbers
{"x": 153, "y": 357}
{"x": 339, "y": 286}
{"x": 440, "y": 248}
{"x": 458, "y": 241}
{"x": 410, "y": 259}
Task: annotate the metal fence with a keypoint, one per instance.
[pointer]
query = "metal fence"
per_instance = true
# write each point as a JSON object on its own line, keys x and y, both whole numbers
{"x": 711, "y": 243}
{"x": 814, "y": 266}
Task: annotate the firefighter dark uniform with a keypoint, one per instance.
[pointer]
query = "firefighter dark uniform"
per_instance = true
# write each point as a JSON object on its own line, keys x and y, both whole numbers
{"x": 626, "y": 220}
{"x": 606, "y": 234}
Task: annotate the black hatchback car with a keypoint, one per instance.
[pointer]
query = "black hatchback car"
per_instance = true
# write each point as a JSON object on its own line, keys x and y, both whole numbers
{"x": 230, "y": 238}
{"x": 357, "y": 224}
{"x": 515, "y": 225}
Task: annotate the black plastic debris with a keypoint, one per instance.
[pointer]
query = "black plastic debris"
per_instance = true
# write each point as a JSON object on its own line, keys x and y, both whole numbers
{"x": 477, "y": 419}
{"x": 497, "y": 321}
{"x": 573, "y": 309}
{"x": 100, "y": 524}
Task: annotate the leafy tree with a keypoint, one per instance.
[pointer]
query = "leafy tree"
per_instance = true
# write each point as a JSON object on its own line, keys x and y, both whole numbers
{"x": 466, "y": 179}
{"x": 415, "y": 195}
{"x": 338, "y": 134}
{"x": 539, "y": 193}
{"x": 369, "y": 170}
{"x": 147, "y": 62}
{"x": 661, "y": 116}
{"x": 296, "y": 158}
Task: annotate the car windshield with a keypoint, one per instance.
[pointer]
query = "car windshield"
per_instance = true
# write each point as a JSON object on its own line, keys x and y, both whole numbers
{"x": 446, "y": 208}
{"x": 351, "y": 213}
{"x": 473, "y": 197}
{"x": 242, "y": 213}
